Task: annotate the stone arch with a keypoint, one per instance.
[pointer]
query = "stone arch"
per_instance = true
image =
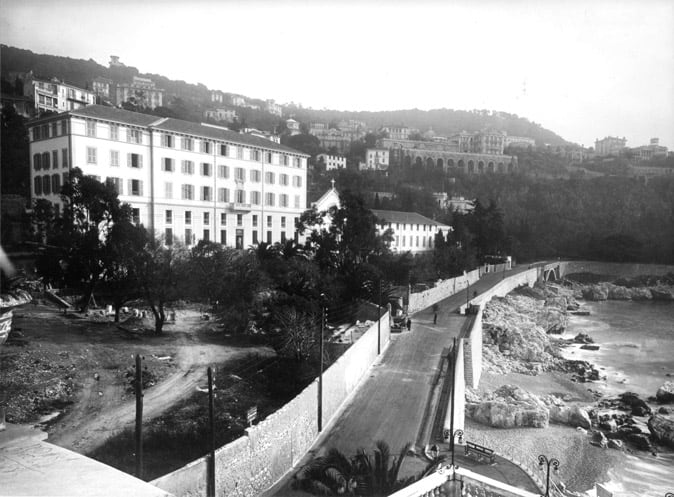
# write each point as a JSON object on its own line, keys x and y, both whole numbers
{"x": 471, "y": 167}
{"x": 501, "y": 167}
{"x": 440, "y": 163}
{"x": 419, "y": 162}
{"x": 462, "y": 165}
{"x": 430, "y": 163}
{"x": 480, "y": 167}
{"x": 450, "y": 163}
{"x": 490, "y": 167}
{"x": 408, "y": 161}
{"x": 510, "y": 167}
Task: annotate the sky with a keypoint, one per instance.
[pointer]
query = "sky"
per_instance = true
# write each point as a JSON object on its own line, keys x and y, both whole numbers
{"x": 584, "y": 69}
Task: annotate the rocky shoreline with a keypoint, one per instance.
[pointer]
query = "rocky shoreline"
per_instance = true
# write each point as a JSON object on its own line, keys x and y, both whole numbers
{"x": 521, "y": 337}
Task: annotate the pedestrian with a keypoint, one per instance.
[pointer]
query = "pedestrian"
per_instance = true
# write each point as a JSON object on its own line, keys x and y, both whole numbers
{"x": 436, "y": 308}
{"x": 435, "y": 318}
{"x": 409, "y": 324}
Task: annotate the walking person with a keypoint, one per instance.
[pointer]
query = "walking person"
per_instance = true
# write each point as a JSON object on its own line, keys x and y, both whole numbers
{"x": 409, "y": 324}
{"x": 435, "y": 313}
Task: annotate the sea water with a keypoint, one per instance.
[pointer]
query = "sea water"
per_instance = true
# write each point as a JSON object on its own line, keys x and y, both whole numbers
{"x": 636, "y": 353}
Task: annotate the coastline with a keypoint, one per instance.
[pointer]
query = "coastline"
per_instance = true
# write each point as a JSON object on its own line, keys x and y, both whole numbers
{"x": 581, "y": 463}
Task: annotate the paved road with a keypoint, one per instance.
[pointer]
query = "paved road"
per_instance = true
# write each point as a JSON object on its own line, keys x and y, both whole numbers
{"x": 394, "y": 403}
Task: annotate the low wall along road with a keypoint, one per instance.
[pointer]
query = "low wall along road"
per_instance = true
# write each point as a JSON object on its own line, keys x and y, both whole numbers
{"x": 254, "y": 462}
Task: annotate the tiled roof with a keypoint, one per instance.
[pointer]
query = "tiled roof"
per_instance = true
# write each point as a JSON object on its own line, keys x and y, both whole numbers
{"x": 179, "y": 126}
{"x": 405, "y": 218}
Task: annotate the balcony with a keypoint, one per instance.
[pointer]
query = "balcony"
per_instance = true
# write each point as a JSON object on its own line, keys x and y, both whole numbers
{"x": 239, "y": 207}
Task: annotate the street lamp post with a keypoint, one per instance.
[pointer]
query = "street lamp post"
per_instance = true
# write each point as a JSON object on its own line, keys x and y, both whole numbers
{"x": 459, "y": 434}
{"x": 544, "y": 461}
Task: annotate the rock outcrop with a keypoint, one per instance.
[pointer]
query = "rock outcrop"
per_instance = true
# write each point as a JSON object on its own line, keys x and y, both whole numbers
{"x": 662, "y": 428}
{"x": 510, "y": 407}
{"x": 665, "y": 393}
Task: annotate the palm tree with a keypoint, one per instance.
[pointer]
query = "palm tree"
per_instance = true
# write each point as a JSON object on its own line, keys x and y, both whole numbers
{"x": 375, "y": 474}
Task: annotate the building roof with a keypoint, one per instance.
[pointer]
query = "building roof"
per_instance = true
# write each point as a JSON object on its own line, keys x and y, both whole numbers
{"x": 405, "y": 218}
{"x": 176, "y": 125}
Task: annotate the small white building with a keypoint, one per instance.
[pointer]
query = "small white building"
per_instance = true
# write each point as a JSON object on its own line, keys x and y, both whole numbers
{"x": 238, "y": 101}
{"x": 56, "y": 96}
{"x": 221, "y": 115}
{"x": 274, "y": 108}
{"x": 332, "y": 161}
{"x": 411, "y": 231}
{"x": 377, "y": 159}
{"x": 293, "y": 126}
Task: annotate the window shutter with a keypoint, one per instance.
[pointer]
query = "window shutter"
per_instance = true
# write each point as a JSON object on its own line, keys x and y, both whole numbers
{"x": 130, "y": 186}
{"x": 128, "y": 160}
{"x": 140, "y": 188}
{"x": 140, "y": 160}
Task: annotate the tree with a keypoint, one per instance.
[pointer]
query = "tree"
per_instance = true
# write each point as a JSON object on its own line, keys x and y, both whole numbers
{"x": 209, "y": 263}
{"x": 14, "y": 151}
{"x": 298, "y": 333}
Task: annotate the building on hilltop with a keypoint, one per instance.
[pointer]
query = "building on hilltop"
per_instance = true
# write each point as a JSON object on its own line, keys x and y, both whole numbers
{"x": 221, "y": 115}
{"x": 648, "y": 152}
{"x": 237, "y": 101}
{"x": 397, "y": 132}
{"x": 519, "y": 141}
{"x": 102, "y": 88}
{"x": 184, "y": 181}
{"x": 411, "y": 231}
{"x": 293, "y": 126}
{"x": 217, "y": 97}
{"x": 611, "y": 145}
{"x": 141, "y": 92}
{"x": 54, "y": 95}
{"x": 332, "y": 161}
{"x": 274, "y": 108}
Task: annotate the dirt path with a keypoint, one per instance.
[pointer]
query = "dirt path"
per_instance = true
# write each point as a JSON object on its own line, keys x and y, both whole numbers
{"x": 104, "y": 406}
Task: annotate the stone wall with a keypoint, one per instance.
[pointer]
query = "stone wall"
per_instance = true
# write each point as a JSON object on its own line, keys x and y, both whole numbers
{"x": 615, "y": 269}
{"x": 444, "y": 289}
{"x": 254, "y": 462}
{"x": 473, "y": 351}
{"x": 459, "y": 387}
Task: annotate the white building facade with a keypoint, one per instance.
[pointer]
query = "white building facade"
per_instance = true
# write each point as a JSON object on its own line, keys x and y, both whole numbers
{"x": 411, "y": 231}
{"x": 332, "y": 161}
{"x": 377, "y": 159}
{"x": 55, "y": 96}
{"x": 184, "y": 181}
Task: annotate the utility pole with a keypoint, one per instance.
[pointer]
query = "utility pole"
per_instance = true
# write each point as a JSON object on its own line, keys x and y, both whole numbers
{"x": 453, "y": 386}
{"x": 139, "y": 418}
{"x": 320, "y": 374}
{"x": 379, "y": 320}
{"x": 210, "y": 483}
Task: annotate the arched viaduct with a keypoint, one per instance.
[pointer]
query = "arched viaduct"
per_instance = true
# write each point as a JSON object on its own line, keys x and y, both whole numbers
{"x": 453, "y": 161}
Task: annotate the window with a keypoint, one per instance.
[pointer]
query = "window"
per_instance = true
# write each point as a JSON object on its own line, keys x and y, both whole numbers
{"x": 297, "y": 181}
{"x": 134, "y": 136}
{"x": 206, "y": 193}
{"x": 46, "y": 184}
{"x": 188, "y": 192}
{"x": 268, "y": 236}
{"x": 54, "y": 130}
{"x": 205, "y": 147}
{"x": 45, "y": 160}
{"x": 297, "y": 202}
{"x": 55, "y": 159}
{"x": 240, "y": 197}
{"x": 269, "y": 178}
{"x": 239, "y": 174}
{"x": 254, "y": 220}
{"x": 255, "y": 198}
{"x": 168, "y": 236}
{"x": 255, "y": 175}
{"x": 65, "y": 177}
{"x": 91, "y": 155}
{"x": 269, "y": 199}
{"x": 45, "y": 131}
{"x": 269, "y": 221}
{"x": 223, "y": 218}
{"x": 114, "y": 158}
{"x": 135, "y": 187}
{"x": 55, "y": 183}
{"x": 255, "y": 155}
{"x": 167, "y": 140}
{"x": 188, "y": 236}
{"x": 207, "y": 235}
{"x": 207, "y": 218}
{"x": 267, "y": 157}
{"x": 283, "y": 237}
{"x": 188, "y": 217}
{"x": 167, "y": 164}
{"x": 283, "y": 179}
{"x": 64, "y": 157}
{"x": 135, "y": 216}
{"x": 134, "y": 160}
{"x": 223, "y": 172}
{"x": 116, "y": 184}
{"x": 114, "y": 132}
{"x": 239, "y": 152}
{"x": 168, "y": 190}
{"x": 283, "y": 221}
{"x": 188, "y": 143}
{"x": 239, "y": 219}
{"x": 37, "y": 161}
{"x": 283, "y": 200}
{"x": 417, "y": 240}
{"x": 91, "y": 128}
{"x": 187, "y": 167}
{"x": 297, "y": 162}
{"x": 223, "y": 194}
{"x": 36, "y": 133}
{"x": 168, "y": 217}
{"x": 205, "y": 169}
{"x": 284, "y": 160}
{"x": 254, "y": 237}
{"x": 37, "y": 185}
{"x": 223, "y": 237}
{"x": 223, "y": 150}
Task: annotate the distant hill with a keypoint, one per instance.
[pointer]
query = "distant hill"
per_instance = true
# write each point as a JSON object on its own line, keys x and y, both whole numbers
{"x": 443, "y": 121}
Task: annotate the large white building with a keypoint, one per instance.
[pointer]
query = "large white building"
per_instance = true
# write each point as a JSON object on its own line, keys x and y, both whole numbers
{"x": 376, "y": 159}
{"x": 185, "y": 181}
{"x": 56, "y": 96}
{"x": 332, "y": 161}
{"x": 411, "y": 231}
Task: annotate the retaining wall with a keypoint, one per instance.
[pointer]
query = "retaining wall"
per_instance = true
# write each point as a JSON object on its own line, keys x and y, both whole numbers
{"x": 473, "y": 351}
{"x": 616, "y": 269}
{"x": 444, "y": 289}
{"x": 254, "y": 462}
{"x": 459, "y": 387}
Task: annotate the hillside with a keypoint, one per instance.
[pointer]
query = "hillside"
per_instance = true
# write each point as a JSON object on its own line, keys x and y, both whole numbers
{"x": 443, "y": 121}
